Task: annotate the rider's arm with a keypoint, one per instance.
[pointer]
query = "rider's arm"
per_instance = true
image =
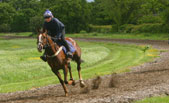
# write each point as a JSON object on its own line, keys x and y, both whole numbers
{"x": 44, "y": 27}
{"x": 60, "y": 27}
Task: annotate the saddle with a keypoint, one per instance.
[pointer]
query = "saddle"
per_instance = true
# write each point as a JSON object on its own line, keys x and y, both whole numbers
{"x": 60, "y": 43}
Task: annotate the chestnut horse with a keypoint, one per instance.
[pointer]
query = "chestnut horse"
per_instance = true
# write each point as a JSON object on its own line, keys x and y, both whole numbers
{"x": 57, "y": 59}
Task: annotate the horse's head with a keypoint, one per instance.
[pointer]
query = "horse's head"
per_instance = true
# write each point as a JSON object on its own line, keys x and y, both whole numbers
{"x": 42, "y": 41}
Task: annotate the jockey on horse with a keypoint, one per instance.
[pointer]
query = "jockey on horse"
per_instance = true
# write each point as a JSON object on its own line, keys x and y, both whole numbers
{"x": 56, "y": 30}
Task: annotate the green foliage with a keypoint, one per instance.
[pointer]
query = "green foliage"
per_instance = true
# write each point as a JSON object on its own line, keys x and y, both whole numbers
{"x": 5, "y": 28}
{"x": 36, "y": 22}
{"x": 144, "y": 28}
{"x": 77, "y": 15}
{"x": 6, "y": 13}
{"x": 166, "y": 16}
{"x": 145, "y": 48}
{"x": 100, "y": 28}
{"x": 122, "y": 11}
{"x": 25, "y": 4}
{"x": 21, "y": 21}
{"x": 152, "y": 7}
{"x": 73, "y": 13}
{"x": 150, "y": 19}
{"x": 6, "y": 1}
{"x": 98, "y": 14}
{"x": 6, "y": 16}
{"x": 83, "y": 32}
{"x": 115, "y": 28}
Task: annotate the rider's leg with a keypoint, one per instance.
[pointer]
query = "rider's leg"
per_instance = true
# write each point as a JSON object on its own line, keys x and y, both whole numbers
{"x": 69, "y": 54}
{"x": 43, "y": 57}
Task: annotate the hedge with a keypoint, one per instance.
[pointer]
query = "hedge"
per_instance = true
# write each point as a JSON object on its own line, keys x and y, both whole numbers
{"x": 145, "y": 28}
{"x": 100, "y": 28}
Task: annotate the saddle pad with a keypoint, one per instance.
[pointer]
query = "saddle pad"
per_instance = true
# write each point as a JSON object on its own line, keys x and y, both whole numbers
{"x": 72, "y": 48}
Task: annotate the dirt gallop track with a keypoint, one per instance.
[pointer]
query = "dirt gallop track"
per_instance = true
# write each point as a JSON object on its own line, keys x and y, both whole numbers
{"x": 147, "y": 80}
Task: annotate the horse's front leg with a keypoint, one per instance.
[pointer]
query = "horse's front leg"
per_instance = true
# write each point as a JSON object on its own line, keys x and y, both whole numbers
{"x": 61, "y": 81}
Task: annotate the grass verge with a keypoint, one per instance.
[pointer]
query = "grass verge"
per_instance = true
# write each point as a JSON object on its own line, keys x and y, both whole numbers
{"x": 142, "y": 36}
{"x": 16, "y": 34}
{"x": 155, "y": 100}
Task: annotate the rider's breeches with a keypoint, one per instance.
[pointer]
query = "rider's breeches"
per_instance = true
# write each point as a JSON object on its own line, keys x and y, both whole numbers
{"x": 64, "y": 41}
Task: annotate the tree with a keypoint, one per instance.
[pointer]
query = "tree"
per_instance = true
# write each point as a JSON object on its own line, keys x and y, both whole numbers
{"x": 21, "y": 22}
{"x": 25, "y": 4}
{"x": 73, "y": 13}
{"x": 165, "y": 11}
{"x": 36, "y": 23}
{"x": 123, "y": 11}
{"x": 6, "y": 16}
{"x": 25, "y": 10}
{"x": 5, "y": 1}
{"x": 165, "y": 16}
{"x": 99, "y": 15}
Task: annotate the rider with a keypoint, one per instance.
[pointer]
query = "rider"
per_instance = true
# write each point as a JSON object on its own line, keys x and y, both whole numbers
{"x": 55, "y": 29}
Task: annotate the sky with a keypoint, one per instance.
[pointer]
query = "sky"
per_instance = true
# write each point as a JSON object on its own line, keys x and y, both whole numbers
{"x": 90, "y": 0}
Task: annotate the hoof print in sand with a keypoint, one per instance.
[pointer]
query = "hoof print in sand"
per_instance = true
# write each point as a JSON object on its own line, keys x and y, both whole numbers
{"x": 96, "y": 82}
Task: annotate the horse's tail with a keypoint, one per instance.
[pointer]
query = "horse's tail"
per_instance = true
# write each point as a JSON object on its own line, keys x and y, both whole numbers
{"x": 82, "y": 61}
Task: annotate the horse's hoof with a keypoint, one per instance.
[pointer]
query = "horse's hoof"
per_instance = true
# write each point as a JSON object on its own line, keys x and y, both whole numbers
{"x": 66, "y": 94}
{"x": 66, "y": 82}
{"x": 71, "y": 82}
{"x": 82, "y": 84}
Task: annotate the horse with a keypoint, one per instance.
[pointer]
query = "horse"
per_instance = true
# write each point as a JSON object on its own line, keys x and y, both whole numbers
{"x": 57, "y": 59}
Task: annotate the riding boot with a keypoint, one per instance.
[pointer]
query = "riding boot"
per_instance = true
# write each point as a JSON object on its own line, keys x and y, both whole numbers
{"x": 44, "y": 57}
{"x": 69, "y": 54}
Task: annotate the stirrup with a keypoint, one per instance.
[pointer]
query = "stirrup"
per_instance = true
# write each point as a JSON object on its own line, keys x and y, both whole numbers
{"x": 69, "y": 60}
{"x": 43, "y": 58}
{"x": 69, "y": 55}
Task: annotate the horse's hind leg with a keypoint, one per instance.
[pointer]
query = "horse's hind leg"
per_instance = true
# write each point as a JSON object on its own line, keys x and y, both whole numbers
{"x": 82, "y": 84}
{"x": 71, "y": 77}
{"x": 61, "y": 81}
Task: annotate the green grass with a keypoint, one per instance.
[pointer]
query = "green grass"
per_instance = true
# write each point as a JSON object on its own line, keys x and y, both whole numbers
{"x": 16, "y": 34}
{"x": 155, "y": 100}
{"x": 21, "y": 69}
{"x": 142, "y": 36}
{"x": 123, "y": 36}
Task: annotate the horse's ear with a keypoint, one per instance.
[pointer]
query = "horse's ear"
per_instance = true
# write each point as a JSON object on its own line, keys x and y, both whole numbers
{"x": 45, "y": 31}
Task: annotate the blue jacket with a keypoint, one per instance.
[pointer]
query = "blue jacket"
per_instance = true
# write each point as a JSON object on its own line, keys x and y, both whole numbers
{"x": 54, "y": 27}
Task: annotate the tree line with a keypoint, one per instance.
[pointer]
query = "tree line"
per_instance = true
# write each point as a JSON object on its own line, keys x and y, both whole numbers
{"x": 77, "y": 15}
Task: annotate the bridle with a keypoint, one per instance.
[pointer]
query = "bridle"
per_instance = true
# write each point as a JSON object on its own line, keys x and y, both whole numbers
{"x": 47, "y": 45}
